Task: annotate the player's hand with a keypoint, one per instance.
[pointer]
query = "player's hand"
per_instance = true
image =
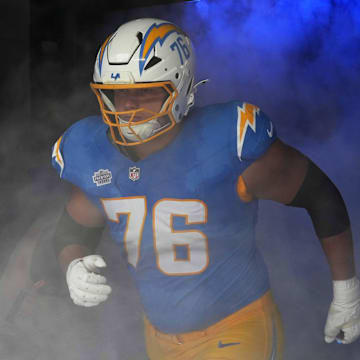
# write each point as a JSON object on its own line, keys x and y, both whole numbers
{"x": 343, "y": 321}
{"x": 86, "y": 286}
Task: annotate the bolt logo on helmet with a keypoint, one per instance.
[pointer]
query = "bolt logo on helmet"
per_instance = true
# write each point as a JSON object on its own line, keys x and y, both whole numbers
{"x": 156, "y": 33}
{"x": 144, "y": 56}
{"x": 102, "y": 52}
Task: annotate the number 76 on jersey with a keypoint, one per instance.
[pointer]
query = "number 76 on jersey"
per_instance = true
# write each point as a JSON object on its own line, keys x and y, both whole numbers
{"x": 166, "y": 240}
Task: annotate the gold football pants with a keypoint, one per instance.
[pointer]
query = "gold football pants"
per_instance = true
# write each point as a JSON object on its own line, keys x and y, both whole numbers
{"x": 252, "y": 333}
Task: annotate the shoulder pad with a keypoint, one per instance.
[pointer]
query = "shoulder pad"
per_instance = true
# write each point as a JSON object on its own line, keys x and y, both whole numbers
{"x": 255, "y": 132}
{"x": 69, "y": 148}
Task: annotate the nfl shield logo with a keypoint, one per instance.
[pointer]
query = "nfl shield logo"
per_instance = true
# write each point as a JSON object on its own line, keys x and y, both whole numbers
{"x": 134, "y": 173}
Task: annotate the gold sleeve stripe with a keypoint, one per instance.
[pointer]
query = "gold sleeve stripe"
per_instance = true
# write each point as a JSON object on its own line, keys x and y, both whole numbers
{"x": 58, "y": 154}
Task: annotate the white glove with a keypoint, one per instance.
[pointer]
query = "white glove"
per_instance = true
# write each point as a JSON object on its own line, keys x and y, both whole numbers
{"x": 343, "y": 321}
{"x": 86, "y": 286}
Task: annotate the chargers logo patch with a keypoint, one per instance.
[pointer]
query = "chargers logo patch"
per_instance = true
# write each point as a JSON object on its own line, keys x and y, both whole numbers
{"x": 156, "y": 33}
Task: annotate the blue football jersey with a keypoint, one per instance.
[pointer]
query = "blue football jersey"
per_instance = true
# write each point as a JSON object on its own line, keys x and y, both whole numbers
{"x": 176, "y": 215}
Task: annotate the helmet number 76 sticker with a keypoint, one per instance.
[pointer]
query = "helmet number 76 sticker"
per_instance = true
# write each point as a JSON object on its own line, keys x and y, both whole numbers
{"x": 166, "y": 239}
{"x": 181, "y": 48}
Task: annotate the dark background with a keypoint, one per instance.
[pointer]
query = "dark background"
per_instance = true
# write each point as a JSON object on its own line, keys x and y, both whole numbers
{"x": 48, "y": 49}
{"x": 298, "y": 61}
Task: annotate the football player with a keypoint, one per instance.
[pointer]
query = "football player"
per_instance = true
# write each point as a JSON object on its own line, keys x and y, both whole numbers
{"x": 179, "y": 192}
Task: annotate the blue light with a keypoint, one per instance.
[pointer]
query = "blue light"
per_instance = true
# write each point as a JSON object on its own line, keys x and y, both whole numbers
{"x": 306, "y": 50}
{"x": 202, "y": 8}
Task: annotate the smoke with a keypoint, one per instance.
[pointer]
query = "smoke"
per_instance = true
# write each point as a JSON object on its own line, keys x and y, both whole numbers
{"x": 296, "y": 59}
{"x": 299, "y": 62}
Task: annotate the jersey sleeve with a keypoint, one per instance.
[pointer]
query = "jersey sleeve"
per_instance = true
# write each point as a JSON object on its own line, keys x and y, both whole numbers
{"x": 68, "y": 156}
{"x": 255, "y": 132}
{"x": 75, "y": 154}
{"x": 64, "y": 155}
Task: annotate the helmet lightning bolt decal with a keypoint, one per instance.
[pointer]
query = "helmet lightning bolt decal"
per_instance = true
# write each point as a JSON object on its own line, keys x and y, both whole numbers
{"x": 156, "y": 33}
{"x": 102, "y": 52}
{"x": 246, "y": 118}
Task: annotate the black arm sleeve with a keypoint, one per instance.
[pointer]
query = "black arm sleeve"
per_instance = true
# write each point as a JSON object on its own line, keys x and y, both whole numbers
{"x": 69, "y": 232}
{"x": 323, "y": 201}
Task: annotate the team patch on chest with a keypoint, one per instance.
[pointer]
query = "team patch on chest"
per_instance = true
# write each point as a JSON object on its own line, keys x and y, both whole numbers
{"x": 102, "y": 177}
{"x": 134, "y": 173}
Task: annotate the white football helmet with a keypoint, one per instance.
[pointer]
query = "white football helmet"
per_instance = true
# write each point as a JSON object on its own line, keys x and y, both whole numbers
{"x": 144, "y": 54}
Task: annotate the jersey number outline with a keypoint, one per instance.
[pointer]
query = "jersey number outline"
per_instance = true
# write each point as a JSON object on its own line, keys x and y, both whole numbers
{"x": 166, "y": 240}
